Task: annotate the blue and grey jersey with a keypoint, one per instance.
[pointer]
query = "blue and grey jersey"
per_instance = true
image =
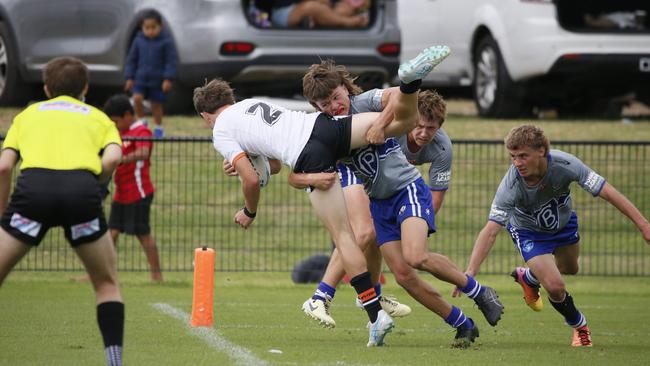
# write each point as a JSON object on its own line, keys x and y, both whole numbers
{"x": 383, "y": 168}
{"x": 369, "y": 101}
{"x": 438, "y": 153}
{"x": 546, "y": 207}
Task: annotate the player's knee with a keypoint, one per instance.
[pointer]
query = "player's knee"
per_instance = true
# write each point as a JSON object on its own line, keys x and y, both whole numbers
{"x": 138, "y": 98}
{"x": 556, "y": 289}
{"x": 415, "y": 261}
{"x": 405, "y": 277}
{"x": 365, "y": 237}
{"x": 569, "y": 269}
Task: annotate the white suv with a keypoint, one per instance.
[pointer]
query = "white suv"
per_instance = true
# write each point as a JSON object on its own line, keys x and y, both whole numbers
{"x": 576, "y": 56}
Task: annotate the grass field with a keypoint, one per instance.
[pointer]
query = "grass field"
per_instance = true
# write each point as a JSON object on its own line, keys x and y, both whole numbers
{"x": 49, "y": 320}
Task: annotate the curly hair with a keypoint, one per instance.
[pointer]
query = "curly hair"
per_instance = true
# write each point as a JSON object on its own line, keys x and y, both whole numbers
{"x": 212, "y": 96}
{"x": 321, "y": 79}
{"x": 432, "y": 107}
{"x": 527, "y": 135}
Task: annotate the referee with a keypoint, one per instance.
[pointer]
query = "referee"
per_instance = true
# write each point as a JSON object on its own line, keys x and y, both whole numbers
{"x": 68, "y": 149}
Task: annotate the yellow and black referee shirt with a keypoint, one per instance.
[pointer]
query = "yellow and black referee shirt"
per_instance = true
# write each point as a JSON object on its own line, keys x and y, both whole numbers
{"x": 61, "y": 134}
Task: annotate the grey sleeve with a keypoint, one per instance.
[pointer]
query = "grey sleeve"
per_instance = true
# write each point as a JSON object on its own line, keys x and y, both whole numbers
{"x": 588, "y": 179}
{"x": 503, "y": 202}
{"x": 369, "y": 101}
{"x": 440, "y": 171}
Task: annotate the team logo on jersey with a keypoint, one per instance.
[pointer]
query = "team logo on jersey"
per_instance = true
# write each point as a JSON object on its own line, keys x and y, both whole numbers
{"x": 268, "y": 115}
{"x": 527, "y": 246}
{"x": 402, "y": 209}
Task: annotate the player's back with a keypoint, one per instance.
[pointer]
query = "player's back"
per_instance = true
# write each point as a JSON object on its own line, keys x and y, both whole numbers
{"x": 262, "y": 128}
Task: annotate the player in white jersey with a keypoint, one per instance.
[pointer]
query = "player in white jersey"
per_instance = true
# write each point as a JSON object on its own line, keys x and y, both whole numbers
{"x": 533, "y": 201}
{"x": 317, "y": 143}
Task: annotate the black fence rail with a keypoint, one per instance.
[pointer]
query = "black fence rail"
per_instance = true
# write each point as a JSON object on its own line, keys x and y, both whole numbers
{"x": 195, "y": 202}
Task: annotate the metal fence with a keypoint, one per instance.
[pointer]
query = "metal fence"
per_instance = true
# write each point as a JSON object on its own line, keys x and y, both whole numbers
{"x": 195, "y": 202}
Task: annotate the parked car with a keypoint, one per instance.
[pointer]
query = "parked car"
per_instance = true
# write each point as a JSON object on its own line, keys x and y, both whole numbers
{"x": 214, "y": 38}
{"x": 576, "y": 56}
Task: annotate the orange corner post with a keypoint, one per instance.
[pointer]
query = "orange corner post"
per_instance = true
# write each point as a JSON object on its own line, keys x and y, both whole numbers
{"x": 202, "y": 299}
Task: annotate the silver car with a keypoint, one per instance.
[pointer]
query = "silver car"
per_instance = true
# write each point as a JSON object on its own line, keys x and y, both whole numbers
{"x": 213, "y": 38}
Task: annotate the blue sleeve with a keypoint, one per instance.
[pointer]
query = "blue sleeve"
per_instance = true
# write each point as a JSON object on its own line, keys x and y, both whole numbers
{"x": 170, "y": 60}
{"x": 131, "y": 64}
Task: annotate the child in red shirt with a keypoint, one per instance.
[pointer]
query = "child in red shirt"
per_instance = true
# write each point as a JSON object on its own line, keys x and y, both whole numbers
{"x": 133, "y": 188}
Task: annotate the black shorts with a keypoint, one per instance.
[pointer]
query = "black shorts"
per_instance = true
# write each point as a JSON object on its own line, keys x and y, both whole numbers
{"x": 131, "y": 218}
{"x": 44, "y": 198}
{"x": 329, "y": 142}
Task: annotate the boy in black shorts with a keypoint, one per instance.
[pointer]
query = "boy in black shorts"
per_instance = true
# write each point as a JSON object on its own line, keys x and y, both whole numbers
{"x": 133, "y": 188}
{"x": 64, "y": 162}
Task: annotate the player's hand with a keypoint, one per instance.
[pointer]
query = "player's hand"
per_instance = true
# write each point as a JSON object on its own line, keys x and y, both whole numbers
{"x": 129, "y": 85}
{"x": 166, "y": 85}
{"x": 375, "y": 135}
{"x": 645, "y": 231}
{"x": 229, "y": 169}
{"x": 323, "y": 181}
{"x": 242, "y": 219}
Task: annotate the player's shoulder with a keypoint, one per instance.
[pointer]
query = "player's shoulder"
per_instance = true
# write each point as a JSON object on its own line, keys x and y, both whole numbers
{"x": 140, "y": 128}
{"x": 563, "y": 160}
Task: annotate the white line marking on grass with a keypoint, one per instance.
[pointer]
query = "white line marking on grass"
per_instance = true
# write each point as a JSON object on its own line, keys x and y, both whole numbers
{"x": 211, "y": 336}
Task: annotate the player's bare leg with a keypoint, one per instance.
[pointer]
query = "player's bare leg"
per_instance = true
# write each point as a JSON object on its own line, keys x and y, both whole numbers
{"x": 12, "y": 251}
{"x": 138, "y": 105}
{"x": 330, "y": 208}
{"x": 148, "y": 244}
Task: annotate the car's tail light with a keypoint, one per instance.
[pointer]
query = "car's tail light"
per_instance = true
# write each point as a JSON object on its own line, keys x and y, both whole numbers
{"x": 389, "y": 49}
{"x": 237, "y": 48}
{"x": 571, "y": 56}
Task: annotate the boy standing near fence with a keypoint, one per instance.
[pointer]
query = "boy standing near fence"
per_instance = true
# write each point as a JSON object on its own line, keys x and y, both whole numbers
{"x": 533, "y": 202}
{"x": 150, "y": 68}
{"x": 68, "y": 149}
{"x": 133, "y": 188}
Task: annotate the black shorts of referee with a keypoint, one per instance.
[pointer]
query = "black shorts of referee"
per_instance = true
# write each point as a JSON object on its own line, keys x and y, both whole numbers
{"x": 131, "y": 218}
{"x": 329, "y": 142}
{"x": 45, "y": 198}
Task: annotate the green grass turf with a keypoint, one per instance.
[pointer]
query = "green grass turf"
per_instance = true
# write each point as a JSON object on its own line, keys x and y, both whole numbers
{"x": 46, "y": 319}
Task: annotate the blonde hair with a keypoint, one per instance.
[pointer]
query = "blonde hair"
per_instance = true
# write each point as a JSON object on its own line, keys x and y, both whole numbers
{"x": 526, "y": 135}
{"x": 432, "y": 107}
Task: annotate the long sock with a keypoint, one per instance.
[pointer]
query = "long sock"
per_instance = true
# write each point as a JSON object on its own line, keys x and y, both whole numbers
{"x": 572, "y": 316}
{"x": 324, "y": 292}
{"x": 530, "y": 279}
{"x": 411, "y": 87}
{"x": 457, "y": 318}
{"x": 366, "y": 293}
{"x": 473, "y": 287}
{"x": 110, "y": 318}
{"x": 378, "y": 289}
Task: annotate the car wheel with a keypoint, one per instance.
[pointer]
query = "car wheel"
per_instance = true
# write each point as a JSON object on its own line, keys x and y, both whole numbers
{"x": 495, "y": 94}
{"x": 13, "y": 91}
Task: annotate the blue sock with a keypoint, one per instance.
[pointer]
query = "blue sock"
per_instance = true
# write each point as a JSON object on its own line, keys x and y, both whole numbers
{"x": 473, "y": 288}
{"x": 378, "y": 289}
{"x": 530, "y": 279}
{"x": 457, "y": 318}
{"x": 324, "y": 291}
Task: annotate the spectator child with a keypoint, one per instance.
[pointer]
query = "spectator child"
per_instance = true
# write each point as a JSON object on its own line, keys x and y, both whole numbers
{"x": 133, "y": 188}
{"x": 150, "y": 68}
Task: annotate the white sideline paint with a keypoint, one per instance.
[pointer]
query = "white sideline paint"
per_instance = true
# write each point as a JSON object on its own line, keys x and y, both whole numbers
{"x": 211, "y": 336}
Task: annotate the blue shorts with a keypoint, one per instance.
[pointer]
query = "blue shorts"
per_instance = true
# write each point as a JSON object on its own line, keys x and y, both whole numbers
{"x": 347, "y": 176}
{"x": 150, "y": 93}
{"x": 280, "y": 16}
{"x": 388, "y": 214}
{"x": 531, "y": 244}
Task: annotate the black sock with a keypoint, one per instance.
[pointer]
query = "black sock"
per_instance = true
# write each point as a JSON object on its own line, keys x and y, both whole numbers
{"x": 572, "y": 316}
{"x": 110, "y": 317}
{"x": 411, "y": 87}
{"x": 366, "y": 293}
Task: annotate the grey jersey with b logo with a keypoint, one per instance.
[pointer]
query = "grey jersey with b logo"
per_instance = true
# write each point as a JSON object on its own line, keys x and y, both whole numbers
{"x": 396, "y": 170}
{"x": 547, "y": 206}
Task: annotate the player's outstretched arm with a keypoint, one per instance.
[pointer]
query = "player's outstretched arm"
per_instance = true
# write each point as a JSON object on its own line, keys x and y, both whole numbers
{"x": 322, "y": 181}
{"x": 482, "y": 246}
{"x": 618, "y": 200}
